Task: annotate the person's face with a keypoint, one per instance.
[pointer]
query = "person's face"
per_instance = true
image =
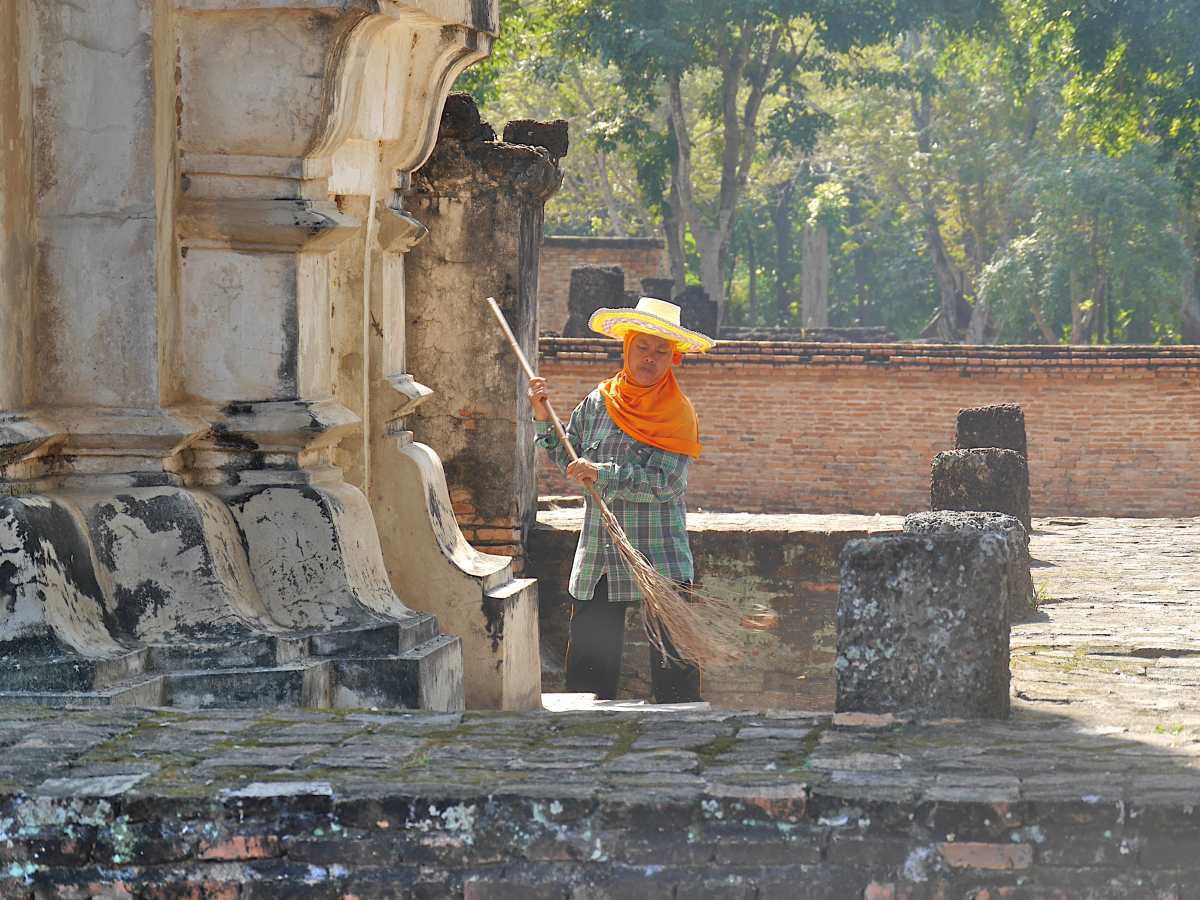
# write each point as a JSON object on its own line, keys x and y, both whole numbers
{"x": 648, "y": 358}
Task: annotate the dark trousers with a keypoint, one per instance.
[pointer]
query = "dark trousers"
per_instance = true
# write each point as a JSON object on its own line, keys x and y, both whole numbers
{"x": 594, "y": 655}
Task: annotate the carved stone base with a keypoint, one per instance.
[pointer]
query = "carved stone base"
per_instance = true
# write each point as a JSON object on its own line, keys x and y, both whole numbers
{"x": 474, "y": 594}
{"x": 175, "y": 596}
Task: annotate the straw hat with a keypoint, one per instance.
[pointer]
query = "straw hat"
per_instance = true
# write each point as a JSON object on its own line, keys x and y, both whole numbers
{"x": 650, "y": 316}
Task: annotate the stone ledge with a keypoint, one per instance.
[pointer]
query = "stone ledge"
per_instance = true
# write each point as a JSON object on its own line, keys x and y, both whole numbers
{"x": 566, "y": 804}
{"x": 1120, "y": 358}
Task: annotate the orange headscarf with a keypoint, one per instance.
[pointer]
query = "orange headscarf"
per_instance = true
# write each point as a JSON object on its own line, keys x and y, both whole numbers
{"x": 659, "y": 415}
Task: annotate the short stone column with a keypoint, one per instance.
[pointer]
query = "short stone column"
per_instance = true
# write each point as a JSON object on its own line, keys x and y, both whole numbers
{"x": 1001, "y": 425}
{"x": 986, "y": 479}
{"x": 697, "y": 310}
{"x": 658, "y": 288}
{"x": 592, "y": 288}
{"x": 950, "y": 523}
{"x": 922, "y": 626}
{"x": 482, "y": 201}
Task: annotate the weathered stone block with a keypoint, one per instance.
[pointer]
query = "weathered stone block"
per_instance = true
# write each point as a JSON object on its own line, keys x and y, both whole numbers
{"x": 955, "y": 523}
{"x": 592, "y": 288}
{"x": 1002, "y": 425}
{"x": 697, "y": 310}
{"x": 922, "y": 625}
{"x": 461, "y": 120}
{"x": 659, "y": 288}
{"x": 553, "y": 137}
{"x": 986, "y": 479}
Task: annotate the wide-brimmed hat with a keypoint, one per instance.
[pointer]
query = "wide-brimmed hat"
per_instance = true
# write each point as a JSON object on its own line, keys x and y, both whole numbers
{"x": 657, "y": 317}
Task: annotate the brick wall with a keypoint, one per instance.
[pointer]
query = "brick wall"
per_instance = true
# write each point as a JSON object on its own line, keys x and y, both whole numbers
{"x": 638, "y": 257}
{"x": 825, "y": 428}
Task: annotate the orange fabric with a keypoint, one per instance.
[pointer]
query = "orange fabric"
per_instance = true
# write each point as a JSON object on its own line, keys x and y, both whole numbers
{"x": 659, "y": 415}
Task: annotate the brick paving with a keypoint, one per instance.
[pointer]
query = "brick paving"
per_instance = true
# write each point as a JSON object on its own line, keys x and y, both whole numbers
{"x": 1092, "y": 789}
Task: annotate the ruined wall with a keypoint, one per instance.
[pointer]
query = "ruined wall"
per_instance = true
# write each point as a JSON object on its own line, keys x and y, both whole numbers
{"x": 638, "y": 258}
{"x": 482, "y": 201}
{"x": 826, "y": 428}
{"x": 788, "y": 564}
{"x": 16, "y": 208}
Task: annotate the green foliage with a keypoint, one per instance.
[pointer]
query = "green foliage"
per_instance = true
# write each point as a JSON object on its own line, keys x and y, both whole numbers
{"x": 1061, "y": 151}
{"x": 1108, "y": 226}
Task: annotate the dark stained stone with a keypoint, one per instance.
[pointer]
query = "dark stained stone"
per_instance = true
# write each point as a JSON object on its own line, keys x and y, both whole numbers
{"x": 553, "y": 137}
{"x": 950, "y": 522}
{"x": 461, "y": 120}
{"x": 1002, "y": 425}
{"x": 982, "y": 479}
{"x": 922, "y": 626}
{"x": 592, "y": 288}
{"x": 659, "y": 288}
{"x": 697, "y": 311}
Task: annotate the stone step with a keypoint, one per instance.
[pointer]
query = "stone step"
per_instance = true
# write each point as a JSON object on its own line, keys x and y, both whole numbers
{"x": 144, "y": 691}
{"x": 299, "y": 684}
{"x": 69, "y": 673}
{"x": 404, "y": 664}
{"x": 373, "y": 641}
{"x": 241, "y": 654}
{"x": 429, "y": 676}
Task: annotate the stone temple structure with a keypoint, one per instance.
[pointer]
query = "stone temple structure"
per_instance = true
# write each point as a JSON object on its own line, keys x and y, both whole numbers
{"x": 203, "y": 379}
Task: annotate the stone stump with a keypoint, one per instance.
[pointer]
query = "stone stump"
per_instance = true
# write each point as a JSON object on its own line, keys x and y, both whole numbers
{"x": 1002, "y": 425}
{"x": 553, "y": 137}
{"x": 658, "y": 288}
{"x": 922, "y": 626}
{"x": 697, "y": 311}
{"x": 952, "y": 523}
{"x": 592, "y": 288}
{"x": 986, "y": 479}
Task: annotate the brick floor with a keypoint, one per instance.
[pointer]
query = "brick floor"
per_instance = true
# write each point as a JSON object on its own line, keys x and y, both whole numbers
{"x": 1091, "y": 789}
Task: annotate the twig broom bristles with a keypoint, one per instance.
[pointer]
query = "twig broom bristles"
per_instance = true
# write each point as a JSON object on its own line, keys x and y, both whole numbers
{"x": 681, "y": 623}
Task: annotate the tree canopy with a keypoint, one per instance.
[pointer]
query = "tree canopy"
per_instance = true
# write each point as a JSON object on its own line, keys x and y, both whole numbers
{"x": 1024, "y": 170}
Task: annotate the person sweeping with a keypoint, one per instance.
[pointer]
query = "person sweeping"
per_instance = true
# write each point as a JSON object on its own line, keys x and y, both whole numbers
{"x": 634, "y": 436}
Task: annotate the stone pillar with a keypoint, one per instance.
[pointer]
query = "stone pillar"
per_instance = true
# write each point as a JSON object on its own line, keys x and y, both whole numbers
{"x": 922, "y": 625}
{"x": 482, "y": 201}
{"x": 986, "y": 479}
{"x": 953, "y": 523}
{"x": 593, "y": 288}
{"x": 1002, "y": 425}
{"x": 209, "y": 176}
{"x": 658, "y": 288}
{"x": 697, "y": 311}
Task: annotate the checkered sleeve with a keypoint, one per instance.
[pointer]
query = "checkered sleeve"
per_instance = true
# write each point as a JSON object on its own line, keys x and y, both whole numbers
{"x": 547, "y": 437}
{"x": 648, "y": 475}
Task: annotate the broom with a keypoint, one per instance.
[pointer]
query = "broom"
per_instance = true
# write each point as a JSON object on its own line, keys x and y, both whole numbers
{"x": 681, "y": 624}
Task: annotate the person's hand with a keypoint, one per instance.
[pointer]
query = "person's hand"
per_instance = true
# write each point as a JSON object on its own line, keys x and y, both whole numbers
{"x": 539, "y": 396}
{"x": 584, "y": 471}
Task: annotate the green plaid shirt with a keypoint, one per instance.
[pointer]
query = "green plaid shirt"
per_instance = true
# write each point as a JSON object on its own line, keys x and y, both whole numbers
{"x": 644, "y": 488}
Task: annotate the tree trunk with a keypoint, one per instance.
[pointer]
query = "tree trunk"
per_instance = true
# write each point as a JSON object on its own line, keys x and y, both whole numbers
{"x": 711, "y": 243}
{"x": 752, "y": 269}
{"x": 862, "y": 284}
{"x": 814, "y": 277}
{"x": 1081, "y": 319}
{"x": 953, "y": 311}
{"x": 949, "y": 279}
{"x": 1189, "y": 311}
{"x": 673, "y": 226}
{"x": 785, "y": 265}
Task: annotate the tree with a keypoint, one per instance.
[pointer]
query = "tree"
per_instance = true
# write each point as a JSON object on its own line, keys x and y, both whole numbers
{"x": 748, "y": 64}
{"x": 1133, "y": 72}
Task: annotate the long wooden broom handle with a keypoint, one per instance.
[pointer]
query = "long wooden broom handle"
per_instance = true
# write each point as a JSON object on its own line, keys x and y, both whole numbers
{"x": 529, "y": 373}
